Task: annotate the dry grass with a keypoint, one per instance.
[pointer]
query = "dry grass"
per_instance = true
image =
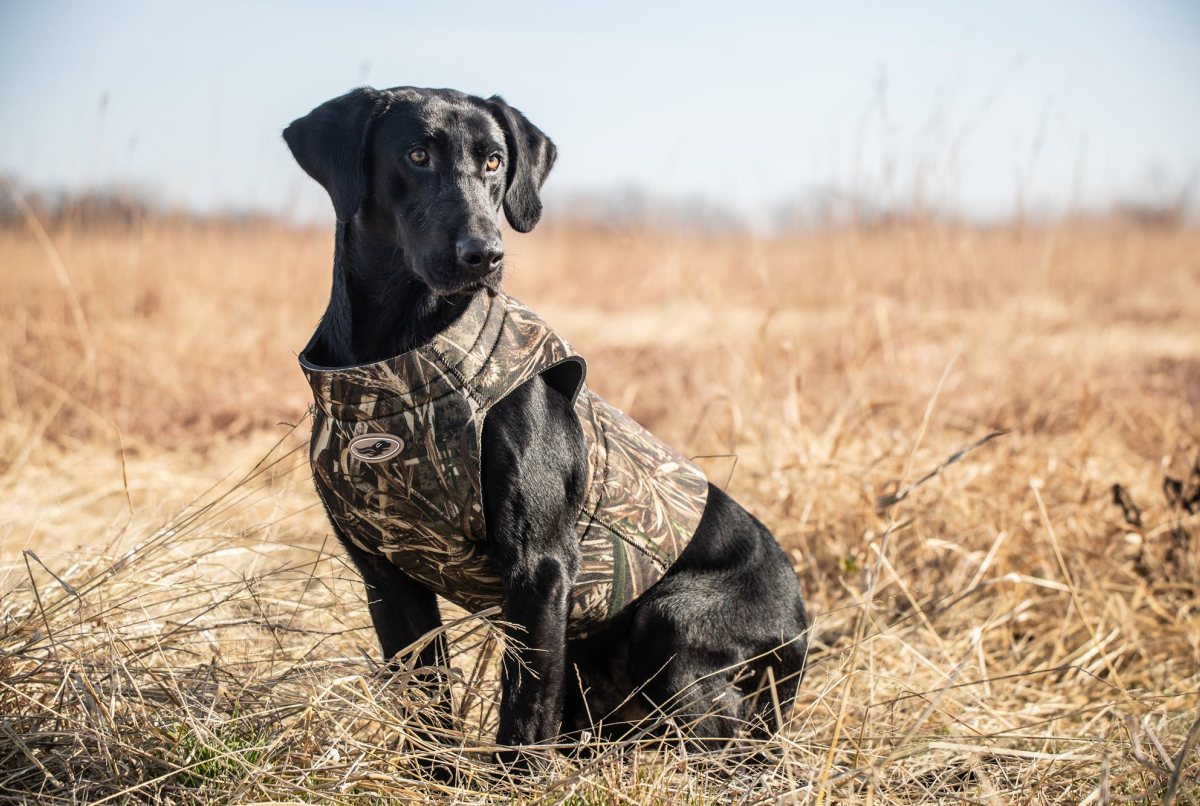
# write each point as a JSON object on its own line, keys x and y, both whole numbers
{"x": 179, "y": 626}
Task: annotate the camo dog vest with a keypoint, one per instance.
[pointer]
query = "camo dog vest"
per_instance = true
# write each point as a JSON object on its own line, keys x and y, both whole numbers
{"x": 396, "y": 459}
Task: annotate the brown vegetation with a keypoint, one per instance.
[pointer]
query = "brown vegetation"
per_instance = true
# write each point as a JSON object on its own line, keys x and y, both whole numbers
{"x": 177, "y": 622}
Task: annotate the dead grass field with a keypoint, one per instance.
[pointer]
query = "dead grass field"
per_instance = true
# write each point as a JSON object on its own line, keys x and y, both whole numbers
{"x": 178, "y": 625}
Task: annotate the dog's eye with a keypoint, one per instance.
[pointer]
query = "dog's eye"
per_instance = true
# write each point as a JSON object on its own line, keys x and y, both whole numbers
{"x": 419, "y": 156}
{"x": 493, "y": 162}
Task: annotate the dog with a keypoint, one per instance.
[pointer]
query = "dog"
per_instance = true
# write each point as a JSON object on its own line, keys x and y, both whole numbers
{"x": 714, "y": 644}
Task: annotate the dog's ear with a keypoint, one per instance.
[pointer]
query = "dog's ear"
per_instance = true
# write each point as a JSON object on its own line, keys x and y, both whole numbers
{"x": 530, "y": 158}
{"x": 329, "y": 142}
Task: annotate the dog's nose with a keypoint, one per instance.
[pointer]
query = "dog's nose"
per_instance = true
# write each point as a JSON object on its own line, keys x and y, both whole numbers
{"x": 479, "y": 254}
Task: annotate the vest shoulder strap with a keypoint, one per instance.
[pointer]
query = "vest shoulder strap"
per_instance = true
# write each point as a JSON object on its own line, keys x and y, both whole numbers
{"x": 526, "y": 346}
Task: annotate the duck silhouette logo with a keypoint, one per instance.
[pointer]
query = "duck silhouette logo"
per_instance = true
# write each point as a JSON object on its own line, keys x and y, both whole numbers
{"x": 375, "y": 447}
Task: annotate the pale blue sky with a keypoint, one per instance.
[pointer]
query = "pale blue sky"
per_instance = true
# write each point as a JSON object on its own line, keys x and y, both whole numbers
{"x": 745, "y": 104}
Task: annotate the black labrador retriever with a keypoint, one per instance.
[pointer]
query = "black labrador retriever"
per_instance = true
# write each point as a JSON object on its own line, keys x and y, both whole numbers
{"x": 418, "y": 178}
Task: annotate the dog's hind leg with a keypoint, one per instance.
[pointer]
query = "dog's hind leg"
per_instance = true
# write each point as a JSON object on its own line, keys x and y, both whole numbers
{"x": 770, "y": 690}
{"x": 689, "y": 687}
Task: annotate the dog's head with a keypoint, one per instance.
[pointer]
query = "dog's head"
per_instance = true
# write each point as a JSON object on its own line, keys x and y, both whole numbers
{"x": 431, "y": 169}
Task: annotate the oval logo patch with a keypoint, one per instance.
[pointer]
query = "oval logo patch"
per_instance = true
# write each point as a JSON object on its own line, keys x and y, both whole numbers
{"x": 375, "y": 447}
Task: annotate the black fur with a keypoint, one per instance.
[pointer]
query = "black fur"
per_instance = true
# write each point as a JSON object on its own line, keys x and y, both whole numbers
{"x": 696, "y": 647}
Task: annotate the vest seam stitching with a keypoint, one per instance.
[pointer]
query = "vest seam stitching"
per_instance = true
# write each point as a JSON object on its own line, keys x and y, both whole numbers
{"x": 438, "y": 354}
{"x": 595, "y": 518}
{"x": 467, "y": 384}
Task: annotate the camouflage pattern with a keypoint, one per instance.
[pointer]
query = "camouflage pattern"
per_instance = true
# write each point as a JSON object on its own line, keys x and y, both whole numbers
{"x": 423, "y": 507}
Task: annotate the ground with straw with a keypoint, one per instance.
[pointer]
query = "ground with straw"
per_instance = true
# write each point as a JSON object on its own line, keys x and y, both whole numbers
{"x": 178, "y": 624}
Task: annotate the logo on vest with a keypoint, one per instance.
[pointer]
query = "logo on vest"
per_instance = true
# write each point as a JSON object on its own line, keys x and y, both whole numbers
{"x": 375, "y": 447}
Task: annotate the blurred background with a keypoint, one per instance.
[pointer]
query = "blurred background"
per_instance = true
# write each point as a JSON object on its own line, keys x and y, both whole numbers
{"x": 762, "y": 114}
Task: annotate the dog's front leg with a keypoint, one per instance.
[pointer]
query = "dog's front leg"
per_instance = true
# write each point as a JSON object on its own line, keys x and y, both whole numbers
{"x": 402, "y": 610}
{"x": 536, "y": 602}
{"x": 534, "y": 466}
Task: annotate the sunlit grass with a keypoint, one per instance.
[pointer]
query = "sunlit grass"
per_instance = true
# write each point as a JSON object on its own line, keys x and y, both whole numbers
{"x": 177, "y": 624}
